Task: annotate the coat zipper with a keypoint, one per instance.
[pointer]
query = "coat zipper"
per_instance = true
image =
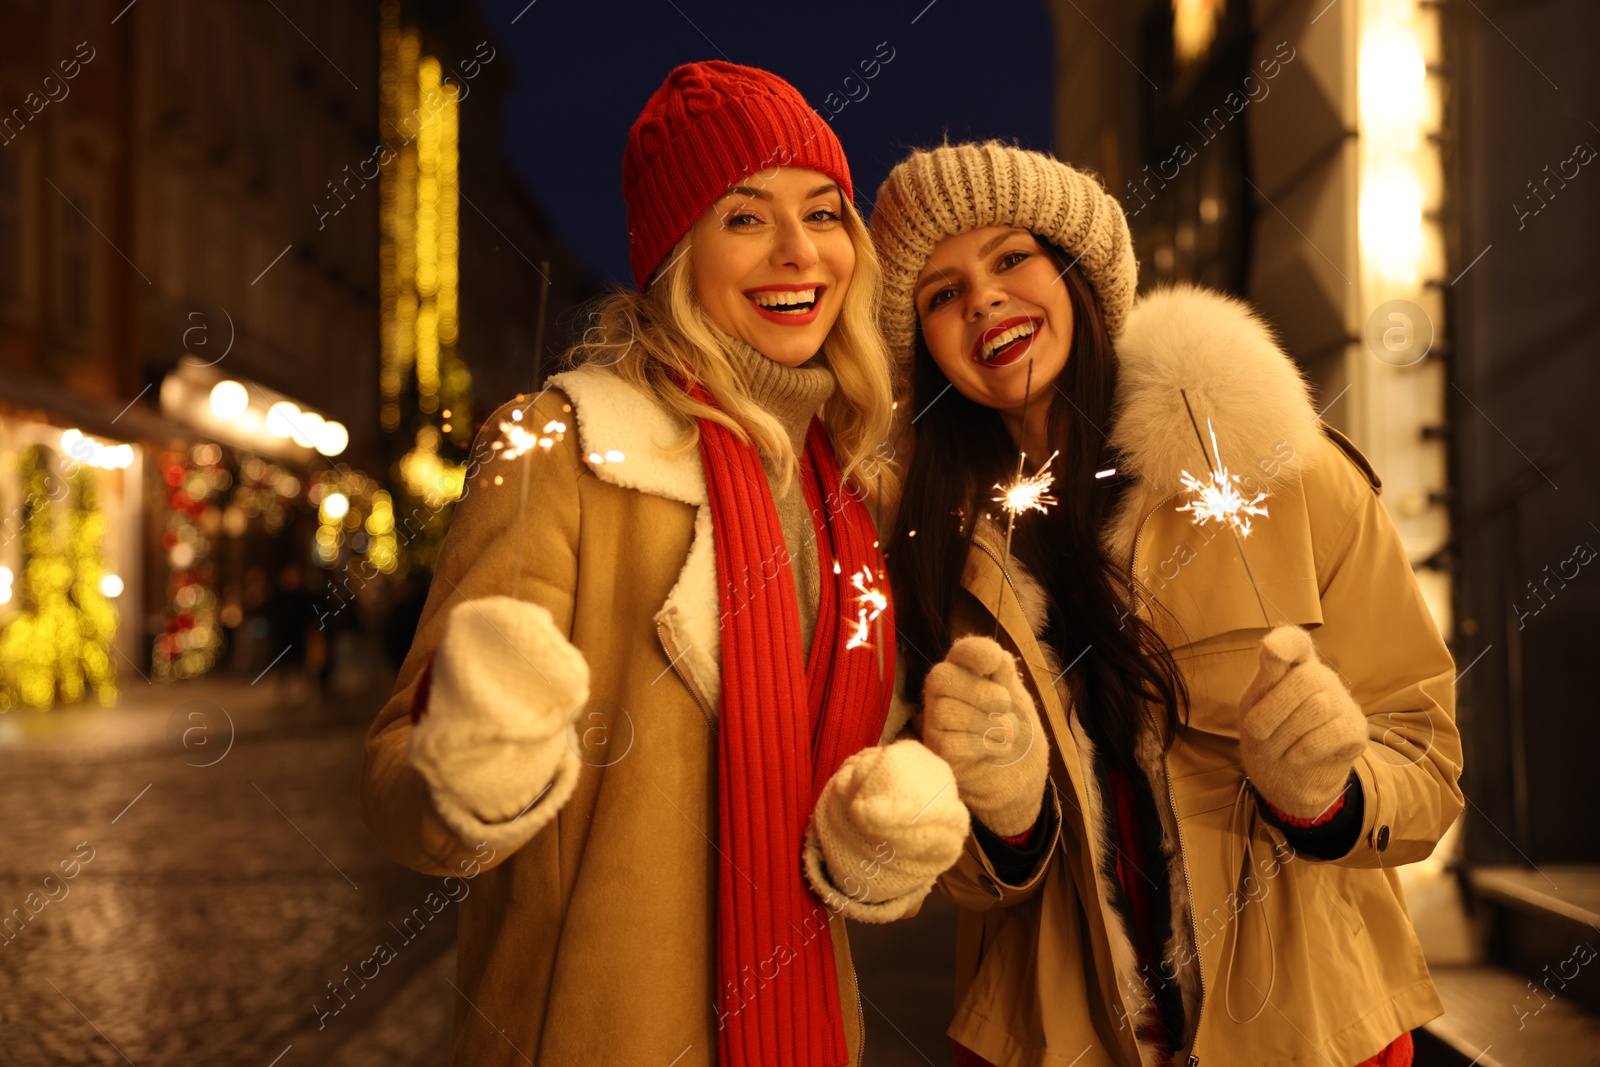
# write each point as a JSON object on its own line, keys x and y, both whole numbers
{"x": 1194, "y": 1061}
{"x": 1004, "y": 574}
{"x": 1172, "y": 803}
{"x": 861, "y": 1016}
{"x": 673, "y": 661}
{"x": 1194, "y": 931}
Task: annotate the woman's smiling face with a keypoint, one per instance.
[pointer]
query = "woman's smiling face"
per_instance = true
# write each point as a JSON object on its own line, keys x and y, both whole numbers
{"x": 771, "y": 261}
{"x": 988, "y": 301}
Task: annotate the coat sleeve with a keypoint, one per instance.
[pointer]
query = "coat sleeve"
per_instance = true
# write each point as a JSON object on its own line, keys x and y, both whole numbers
{"x": 976, "y": 884}
{"x": 489, "y": 532}
{"x": 1378, "y": 633}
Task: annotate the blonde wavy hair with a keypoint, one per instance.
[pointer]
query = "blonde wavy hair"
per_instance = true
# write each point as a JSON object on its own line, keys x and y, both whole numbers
{"x": 663, "y": 336}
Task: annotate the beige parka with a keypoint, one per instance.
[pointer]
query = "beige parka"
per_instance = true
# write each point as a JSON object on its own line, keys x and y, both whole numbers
{"x": 593, "y": 942}
{"x": 1303, "y": 962}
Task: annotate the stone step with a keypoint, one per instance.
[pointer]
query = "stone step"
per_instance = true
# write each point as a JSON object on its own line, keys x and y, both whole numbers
{"x": 1544, "y": 924}
{"x": 1492, "y": 1019}
{"x": 1567, "y": 891}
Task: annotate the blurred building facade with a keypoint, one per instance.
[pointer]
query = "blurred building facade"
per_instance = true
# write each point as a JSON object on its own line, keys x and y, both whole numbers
{"x": 191, "y": 221}
{"x": 1387, "y": 181}
{"x": 459, "y": 243}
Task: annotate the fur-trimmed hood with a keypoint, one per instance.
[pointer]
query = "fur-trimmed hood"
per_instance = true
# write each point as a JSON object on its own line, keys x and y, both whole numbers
{"x": 1219, "y": 351}
{"x": 1215, "y": 348}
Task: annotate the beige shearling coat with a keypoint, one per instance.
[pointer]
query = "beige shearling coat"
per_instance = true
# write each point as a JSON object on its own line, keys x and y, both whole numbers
{"x": 593, "y": 941}
{"x": 1307, "y": 962}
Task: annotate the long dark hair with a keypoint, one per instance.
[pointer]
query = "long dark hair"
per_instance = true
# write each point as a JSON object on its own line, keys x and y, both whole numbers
{"x": 962, "y": 451}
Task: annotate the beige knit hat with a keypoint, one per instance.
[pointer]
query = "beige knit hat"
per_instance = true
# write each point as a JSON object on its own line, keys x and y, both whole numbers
{"x": 937, "y": 192}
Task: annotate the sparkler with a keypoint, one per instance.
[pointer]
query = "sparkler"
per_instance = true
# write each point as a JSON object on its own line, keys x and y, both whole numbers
{"x": 1219, "y": 499}
{"x": 516, "y": 440}
{"x": 1025, "y": 493}
{"x": 877, "y": 526}
{"x": 870, "y": 603}
{"x": 1030, "y": 493}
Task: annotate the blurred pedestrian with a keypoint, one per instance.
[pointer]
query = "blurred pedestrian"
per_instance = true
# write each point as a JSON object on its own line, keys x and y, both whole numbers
{"x": 290, "y": 613}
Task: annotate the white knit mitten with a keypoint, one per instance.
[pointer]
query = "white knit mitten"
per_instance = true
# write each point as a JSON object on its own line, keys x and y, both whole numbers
{"x": 496, "y": 735}
{"x": 887, "y": 825}
{"x": 1300, "y": 730}
{"x": 977, "y": 715}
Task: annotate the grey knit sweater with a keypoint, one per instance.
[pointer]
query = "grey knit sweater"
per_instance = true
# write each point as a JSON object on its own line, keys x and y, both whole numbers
{"x": 792, "y": 395}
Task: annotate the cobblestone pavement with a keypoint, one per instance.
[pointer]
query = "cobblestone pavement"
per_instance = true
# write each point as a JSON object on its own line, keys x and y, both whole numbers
{"x": 165, "y": 902}
{"x": 185, "y": 874}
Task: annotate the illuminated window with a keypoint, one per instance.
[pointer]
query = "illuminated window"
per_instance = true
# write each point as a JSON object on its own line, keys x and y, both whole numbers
{"x": 1194, "y": 27}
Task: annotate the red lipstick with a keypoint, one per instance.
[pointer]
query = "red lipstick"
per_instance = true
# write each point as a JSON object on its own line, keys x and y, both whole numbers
{"x": 1014, "y": 350}
{"x": 787, "y": 318}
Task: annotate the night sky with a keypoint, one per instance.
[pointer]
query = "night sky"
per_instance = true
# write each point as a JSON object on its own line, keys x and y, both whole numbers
{"x": 584, "y": 70}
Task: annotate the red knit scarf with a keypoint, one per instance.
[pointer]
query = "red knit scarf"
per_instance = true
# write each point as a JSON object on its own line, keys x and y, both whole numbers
{"x": 784, "y": 728}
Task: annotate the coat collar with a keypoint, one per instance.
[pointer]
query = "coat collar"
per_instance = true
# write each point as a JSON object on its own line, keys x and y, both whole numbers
{"x": 616, "y": 417}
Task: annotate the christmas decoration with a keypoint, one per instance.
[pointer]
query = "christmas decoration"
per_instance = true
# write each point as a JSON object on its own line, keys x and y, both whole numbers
{"x": 191, "y": 636}
{"x": 58, "y": 647}
{"x": 426, "y": 388}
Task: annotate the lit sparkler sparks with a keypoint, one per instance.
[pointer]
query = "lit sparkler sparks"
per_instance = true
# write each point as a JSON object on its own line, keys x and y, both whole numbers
{"x": 516, "y": 439}
{"x": 870, "y": 603}
{"x": 1023, "y": 494}
{"x": 1218, "y": 498}
{"x": 1029, "y": 492}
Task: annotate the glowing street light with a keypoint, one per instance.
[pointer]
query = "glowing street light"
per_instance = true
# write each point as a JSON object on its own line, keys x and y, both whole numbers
{"x": 333, "y": 439}
{"x": 229, "y": 400}
{"x": 281, "y": 419}
{"x": 335, "y": 506}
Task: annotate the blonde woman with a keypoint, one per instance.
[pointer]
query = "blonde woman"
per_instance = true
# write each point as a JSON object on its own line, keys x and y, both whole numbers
{"x": 681, "y": 577}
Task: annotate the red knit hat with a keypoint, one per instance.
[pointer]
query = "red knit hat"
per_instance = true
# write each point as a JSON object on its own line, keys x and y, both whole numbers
{"x": 709, "y": 125}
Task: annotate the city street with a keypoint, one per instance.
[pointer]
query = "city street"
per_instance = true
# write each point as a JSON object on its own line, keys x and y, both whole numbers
{"x": 210, "y": 892}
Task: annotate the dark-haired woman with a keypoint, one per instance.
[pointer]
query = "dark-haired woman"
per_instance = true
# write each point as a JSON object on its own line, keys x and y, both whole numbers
{"x": 1189, "y": 792}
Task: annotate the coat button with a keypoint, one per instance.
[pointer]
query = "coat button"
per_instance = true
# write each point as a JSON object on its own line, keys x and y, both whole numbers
{"x": 1383, "y": 838}
{"x": 988, "y": 885}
